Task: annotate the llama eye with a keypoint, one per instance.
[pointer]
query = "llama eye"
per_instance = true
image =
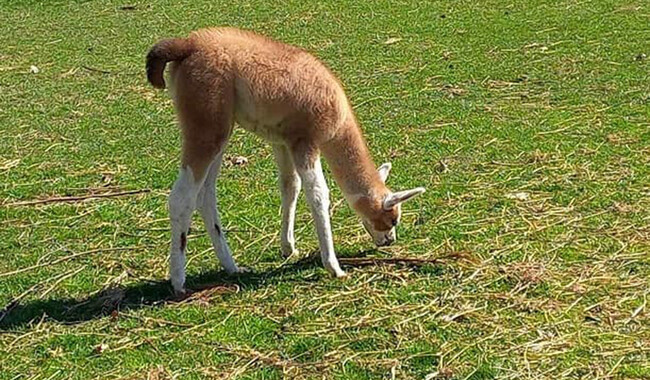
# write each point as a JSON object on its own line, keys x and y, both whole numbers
{"x": 394, "y": 222}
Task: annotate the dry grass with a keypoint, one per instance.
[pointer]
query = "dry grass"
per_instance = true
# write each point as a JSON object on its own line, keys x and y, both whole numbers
{"x": 527, "y": 257}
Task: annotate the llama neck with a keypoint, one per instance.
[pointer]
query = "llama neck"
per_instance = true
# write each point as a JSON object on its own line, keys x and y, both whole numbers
{"x": 351, "y": 164}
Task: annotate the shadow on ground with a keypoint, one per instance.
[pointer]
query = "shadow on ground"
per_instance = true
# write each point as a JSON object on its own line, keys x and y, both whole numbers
{"x": 130, "y": 297}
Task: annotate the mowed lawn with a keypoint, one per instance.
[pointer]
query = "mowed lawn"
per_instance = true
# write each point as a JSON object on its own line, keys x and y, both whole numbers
{"x": 527, "y": 121}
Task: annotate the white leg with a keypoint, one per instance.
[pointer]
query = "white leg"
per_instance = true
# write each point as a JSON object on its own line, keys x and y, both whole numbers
{"x": 289, "y": 190}
{"x": 181, "y": 204}
{"x": 207, "y": 205}
{"x": 317, "y": 195}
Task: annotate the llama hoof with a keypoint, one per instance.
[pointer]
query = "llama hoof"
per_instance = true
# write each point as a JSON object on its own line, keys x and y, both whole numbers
{"x": 288, "y": 252}
{"x": 337, "y": 272}
{"x": 340, "y": 274}
{"x": 239, "y": 270}
{"x": 180, "y": 292}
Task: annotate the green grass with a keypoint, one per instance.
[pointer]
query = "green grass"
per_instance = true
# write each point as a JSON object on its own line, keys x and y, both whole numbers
{"x": 477, "y": 101}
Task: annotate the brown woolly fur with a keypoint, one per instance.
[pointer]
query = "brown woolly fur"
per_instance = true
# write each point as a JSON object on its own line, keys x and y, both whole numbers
{"x": 274, "y": 90}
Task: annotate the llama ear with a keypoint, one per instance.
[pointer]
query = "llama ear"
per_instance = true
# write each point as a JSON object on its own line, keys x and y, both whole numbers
{"x": 383, "y": 171}
{"x": 401, "y": 196}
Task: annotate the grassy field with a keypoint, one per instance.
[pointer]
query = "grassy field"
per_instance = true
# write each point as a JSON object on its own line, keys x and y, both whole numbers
{"x": 528, "y": 121}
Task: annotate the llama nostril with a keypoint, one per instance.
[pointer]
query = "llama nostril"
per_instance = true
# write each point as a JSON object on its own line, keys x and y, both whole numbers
{"x": 382, "y": 243}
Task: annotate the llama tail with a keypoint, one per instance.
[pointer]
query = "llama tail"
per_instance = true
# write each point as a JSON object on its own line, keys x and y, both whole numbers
{"x": 173, "y": 49}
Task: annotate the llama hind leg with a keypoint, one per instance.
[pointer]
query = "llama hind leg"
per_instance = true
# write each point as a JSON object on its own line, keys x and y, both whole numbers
{"x": 207, "y": 205}
{"x": 181, "y": 204}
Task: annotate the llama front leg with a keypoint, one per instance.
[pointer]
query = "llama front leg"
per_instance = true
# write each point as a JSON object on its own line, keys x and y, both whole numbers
{"x": 289, "y": 190}
{"x": 317, "y": 195}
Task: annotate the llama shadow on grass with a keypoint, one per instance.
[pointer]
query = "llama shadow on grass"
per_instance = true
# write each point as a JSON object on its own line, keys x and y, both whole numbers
{"x": 145, "y": 294}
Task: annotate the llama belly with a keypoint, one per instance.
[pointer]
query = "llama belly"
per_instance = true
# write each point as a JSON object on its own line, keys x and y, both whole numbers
{"x": 266, "y": 129}
{"x": 265, "y": 120}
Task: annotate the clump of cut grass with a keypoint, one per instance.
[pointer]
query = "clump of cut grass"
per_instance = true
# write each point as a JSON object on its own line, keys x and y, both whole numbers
{"x": 527, "y": 257}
